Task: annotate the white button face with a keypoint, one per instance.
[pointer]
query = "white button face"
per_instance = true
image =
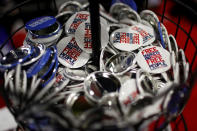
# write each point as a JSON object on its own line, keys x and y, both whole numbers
{"x": 146, "y": 32}
{"x": 70, "y": 54}
{"x": 128, "y": 92}
{"x": 154, "y": 59}
{"x": 126, "y": 39}
{"x": 83, "y": 36}
{"x": 60, "y": 78}
{"x": 75, "y": 20}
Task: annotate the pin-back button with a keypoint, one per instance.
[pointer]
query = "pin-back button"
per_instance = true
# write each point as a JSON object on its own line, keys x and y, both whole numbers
{"x": 128, "y": 13}
{"x": 75, "y": 85}
{"x": 144, "y": 22}
{"x": 116, "y": 8}
{"x": 108, "y": 17}
{"x": 154, "y": 59}
{"x": 173, "y": 45}
{"x": 75, "y": 74}
{"x": 38, "y": 51}
{"x": 50, "y": 76}
{"x": 45, "y": 30}
{"x": 146, "y": 32}
{"x": 98, "y": 83}
{"x": 126, "y": 39}
{"x": 120, "y": 63}
{"x": 37, "y": 66}
{"x": 106, "y": 53}
{"x": 8, "y": 77}
{"x": 128, "y": 22}
{"x": 163, "y": 35}
{"x": 128, "y": 94}
{"x": 61, "y": 79}
{"x": 149, "y": 85}
{"x": 40, "y": 23}
{"x": 113, "y": 27}
{"x": 149, "y": 16}
{"x": 130, "y": 3}
{"x": 83, "y": 36}
{"x": 70, "y": 54}
{"x": 89, "y": 67}
{"x": 81, "y": 73}
{"x": 72, "y": 6}
{"x": 15, "y": 57}
{"x": 63, "y": 17}
{"x": 75, "y": 20}
{"x": 48, "y": 41}
{"x": 50, "y": 64}
{"x": 85, "y": 6}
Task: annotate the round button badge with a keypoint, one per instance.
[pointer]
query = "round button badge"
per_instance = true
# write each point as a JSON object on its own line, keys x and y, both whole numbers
{"x": 154, "y": 59}
{"x": 70, "y": 54}
{"x": 72, "y": 6}
{"x": 120, "y": 63}
{"x": 146, "y": 32}
{"x": 38, "y": 66}
{"x": 78, "y": 74}
{"x": 128, "y": 94}
{"x": 44, "y": 30}
{"x": 40, "y": 23}
{"x": 50, "y": 64}
{"x": 126, "y": 39}
{"x": 83, "y": 36}
{"x": 98, "y": 84}
{"x": 61, "y": 79}
{"x": 63, "y": 17}
{"x": 48, "y": 41}
{"x": 75, "y": 20}
{"x": 38, "y": 51}
{"x": 149, "y": 16}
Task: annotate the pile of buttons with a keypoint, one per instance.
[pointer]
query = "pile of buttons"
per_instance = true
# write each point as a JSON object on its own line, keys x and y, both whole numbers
{"x": 51, "y": 83}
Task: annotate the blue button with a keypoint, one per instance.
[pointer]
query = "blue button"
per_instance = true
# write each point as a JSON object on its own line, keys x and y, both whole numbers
{"x": 160, "y": 34}
{"x": 52, "y": 62}
{"x": 40, "y": 23}
{"x": 36, "y": 67}
{"x": 54, "y": 71}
